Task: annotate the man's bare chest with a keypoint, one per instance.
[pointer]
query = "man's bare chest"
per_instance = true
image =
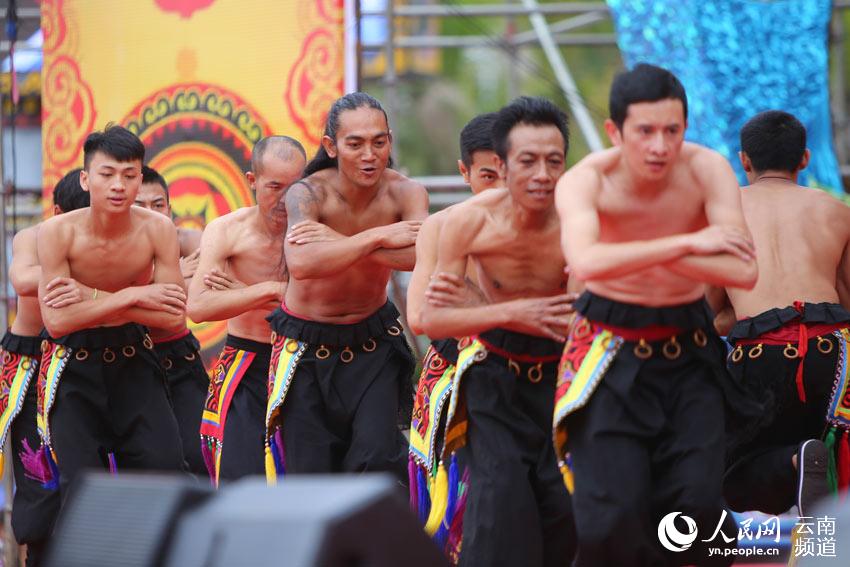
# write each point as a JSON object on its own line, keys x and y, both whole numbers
{"x": 348, "y": 222}
{"x": 112, "y": 265}
{"x": 255, "y": 260}
{"x": 521, "y": 265}
{"x": 635, "y": 219}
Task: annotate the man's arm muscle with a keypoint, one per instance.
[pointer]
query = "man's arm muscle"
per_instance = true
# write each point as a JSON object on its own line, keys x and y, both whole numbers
{"x": 414, "y": 207}
{"x": 426, "y": 261}
{"x": 53, "y": 246}
{"x": 587, "y": 257}
{"x": 207, "y": 304}
{"x": 722, "y": 208}
{"x": 24, "y": 271}
{"x": 320, "y": 259}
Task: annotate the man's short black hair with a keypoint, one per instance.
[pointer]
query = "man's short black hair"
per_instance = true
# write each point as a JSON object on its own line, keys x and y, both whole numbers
{"x": 282, "y": 146}
{"x": 150, "y": 175}
{"x": 534, "y": 111}
{"x": 115, "y": 141}
{"x": 69, "y": 195}
{"x": 644, "y": 83}
{"x": 476, "y": 136}
{"x": 774, "y": 140}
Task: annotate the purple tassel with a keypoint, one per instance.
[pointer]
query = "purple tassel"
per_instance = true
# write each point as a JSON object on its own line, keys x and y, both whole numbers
{"x": 280, "y": 457}
{"x": 411, "y": 482}
{"x": 209, "y": 458}
{"x": 424, "y": 499}
{"x": 113, "y": 464}
{"x": 39, "y": 466}
{"x": 456, "y": 527}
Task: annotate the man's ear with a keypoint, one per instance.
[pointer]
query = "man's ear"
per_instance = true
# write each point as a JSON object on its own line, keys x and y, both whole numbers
{"x": 84, "y": 180}
{"x": 804, "y": 163}
{"x": 745, "y": 161}
{"x": 461, "y": 167}
{"x": 252, "y": 179}
{"x": 330, "y": 146}
{"x": 56, "y": 210}
{"x": 614, "y": 133}
{"x": 502, "y": 166}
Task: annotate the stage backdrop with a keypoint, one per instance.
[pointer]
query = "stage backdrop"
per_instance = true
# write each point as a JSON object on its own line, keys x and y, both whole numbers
{"x": 737, "y": 58}
{"x": 200, "y": 81}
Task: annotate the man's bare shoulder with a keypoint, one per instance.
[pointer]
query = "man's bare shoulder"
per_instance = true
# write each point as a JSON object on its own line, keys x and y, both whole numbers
{"x": 65, "y": 222}
{"x": 232, "y": 219}
{"x": 317, "y": 184}
{"x": 190, "y": 240}
{"x": 402, "y": 185}
{"x": 701, "y": 160}
{"x": 26, "y": 239}
{"x": 479, "y": 207}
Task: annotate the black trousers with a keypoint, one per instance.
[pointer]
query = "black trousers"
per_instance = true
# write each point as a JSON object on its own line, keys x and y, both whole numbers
{"x": 518, "y": 510}
{"x": 34, "y": 507}
{"x": 242, "y": 452}
{"x": 761, "y": 475}
{"x": 342, "y": 415}
{"x": 188, "y": 383}
{"x": 112, "y": 398}
{"x": 651, "y": 440}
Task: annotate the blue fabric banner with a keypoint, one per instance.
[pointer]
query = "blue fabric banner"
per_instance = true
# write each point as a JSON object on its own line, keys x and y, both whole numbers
{"x": 737, "y": 58}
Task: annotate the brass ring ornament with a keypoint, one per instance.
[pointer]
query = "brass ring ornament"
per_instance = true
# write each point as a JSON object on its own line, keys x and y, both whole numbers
{"x": 582, "y": 329}
{"x": 167, "y": 363}
{"x": 394, "y": 330}
{"x": 347, "y": 355}
{"x": 370, "y": 345}
{"x": 81, "y": 354}
{"x": 436, "y": 362}
{"x": 292, "y": 347}
{"x": 513, "y": 366}
{"x": 45, "y": 346}
{"x": 190, "y": 357}
{"x": 7, "y": 356}
{"x": 737, "y": 354}
{"x": 322, "y": 352}
{"x": 535, "y": 373}
{"x": 671, "y": 349}
{"x": 825, "y": 346}
{"x": 756, "y": 351}
{"x": 60, "y": 351}
{"x": 274, "y": 337}
{"x": 129, "y": 351}
{"x": 643, "y": 350}
{"x": 108, "y": 356}
{"x": 700, "y": 338}
{"x": 790, "y": 351}
{"x": 147, "y": 342}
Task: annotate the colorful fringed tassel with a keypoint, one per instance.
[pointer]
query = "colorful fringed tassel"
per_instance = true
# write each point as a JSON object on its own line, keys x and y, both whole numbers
{"x": 439, "y": 497}
{"x": 271, "y": 471}
{"x": 411, "y": 483}
{"x": 442, "y": 534}
{"x": 113, "y": 464}
{"x": 844, "y": 464}
{"x": 40, "y": 466}
{"x": 2, "y": 463}
{"x": 423, "y": 498}
{"x": 831, "y": 472}
{"x": 455, "y": 536}
{"x": 208, "y": 452}
{"x": 569, "y": 480}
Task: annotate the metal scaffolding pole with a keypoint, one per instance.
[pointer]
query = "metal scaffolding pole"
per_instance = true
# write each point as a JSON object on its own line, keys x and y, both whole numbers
{"x": 563, "y": 75}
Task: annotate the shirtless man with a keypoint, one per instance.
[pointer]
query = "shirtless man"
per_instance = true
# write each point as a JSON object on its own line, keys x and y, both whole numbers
{"x": 154, "y": 196}
{"x": 645, "y": 225}
{"x": 518, "y": 510}
{"x": 241, "y": 279}
{"x": 106, "y": 386}
{"x": 786, "y": 346}
{"x": 478, "y": 164}
{"x": 35, "y": 506}
{"x": 340, "y": 357}
{"x": 179, "y": 352}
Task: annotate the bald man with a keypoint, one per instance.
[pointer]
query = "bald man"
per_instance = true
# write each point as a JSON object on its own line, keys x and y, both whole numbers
{"x": 241, "y": 279}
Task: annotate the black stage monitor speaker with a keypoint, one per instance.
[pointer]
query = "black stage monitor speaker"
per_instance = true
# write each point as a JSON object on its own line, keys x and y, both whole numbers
{"x": 121, "y": 521}
{"x": 305, "y": 521}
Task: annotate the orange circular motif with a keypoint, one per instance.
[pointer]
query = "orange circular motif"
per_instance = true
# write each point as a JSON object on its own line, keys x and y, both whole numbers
{"x": 199, "y": 136}
{"x": 69, "y": 111}
{"x": 53, "y": 25}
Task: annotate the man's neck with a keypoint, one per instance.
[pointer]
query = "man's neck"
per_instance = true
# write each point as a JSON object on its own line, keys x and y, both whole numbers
{"x": 773, "y": 177}
{"x": 357, "y": 196}
{"x": 110, "y": 224}
{"x": 523, "y": 218}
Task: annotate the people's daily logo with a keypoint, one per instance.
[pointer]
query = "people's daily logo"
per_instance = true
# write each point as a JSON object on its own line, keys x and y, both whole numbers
{"x": 670, "y": 536}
